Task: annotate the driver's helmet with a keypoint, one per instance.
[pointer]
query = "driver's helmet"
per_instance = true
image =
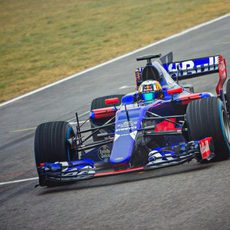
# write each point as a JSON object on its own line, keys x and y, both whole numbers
{"x": 150, "y": 90}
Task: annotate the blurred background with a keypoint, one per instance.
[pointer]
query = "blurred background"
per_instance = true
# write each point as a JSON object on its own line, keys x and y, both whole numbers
{"x": 44, "y": 41}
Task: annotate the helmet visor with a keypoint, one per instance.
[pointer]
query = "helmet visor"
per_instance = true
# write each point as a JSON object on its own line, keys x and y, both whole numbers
{"x": 148, "y": 96}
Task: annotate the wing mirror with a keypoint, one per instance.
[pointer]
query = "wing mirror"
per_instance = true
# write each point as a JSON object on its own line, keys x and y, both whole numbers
{"x": 128, "y": 99}
{"x": 175, "y": 91}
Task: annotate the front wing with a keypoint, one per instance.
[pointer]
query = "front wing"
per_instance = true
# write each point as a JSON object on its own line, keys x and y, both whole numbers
{"x": 202, "y": 150}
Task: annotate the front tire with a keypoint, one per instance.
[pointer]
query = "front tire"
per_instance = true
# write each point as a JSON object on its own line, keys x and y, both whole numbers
{"x": 51, "y": 145}
{"x": 207, "y": 118}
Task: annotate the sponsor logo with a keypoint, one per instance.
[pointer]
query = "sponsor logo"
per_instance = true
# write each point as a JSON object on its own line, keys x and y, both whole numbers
{"x": 126, "y": 125}
{"x": 119, "y": 158}
{"x": 191, "y": 67}
{"x": 205, "y": 150}
{"x": 104, "y": 152}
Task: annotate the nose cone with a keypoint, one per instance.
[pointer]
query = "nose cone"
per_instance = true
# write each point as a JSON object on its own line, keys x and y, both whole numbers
{"x": 122, "y": 148}
{"x": 128, "y": 122}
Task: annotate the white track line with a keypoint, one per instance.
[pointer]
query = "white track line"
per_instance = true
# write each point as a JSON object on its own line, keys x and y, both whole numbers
{"x": 23, "y": 130}
{"x": 115, "y": 59}
{"x": 71, "y": 121}
{"x": 18, "y": 181}
{"x": 103, "y": 64}
{"x": 79, "y": 116}
{"x": 127, "y": 87}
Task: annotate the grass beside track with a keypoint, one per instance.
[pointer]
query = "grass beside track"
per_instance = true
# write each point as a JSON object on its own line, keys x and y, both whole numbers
{"x": 44, "y": 41}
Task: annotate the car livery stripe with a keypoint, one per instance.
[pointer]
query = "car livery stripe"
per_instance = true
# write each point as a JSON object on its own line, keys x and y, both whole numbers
{"x": 110, "y": 173}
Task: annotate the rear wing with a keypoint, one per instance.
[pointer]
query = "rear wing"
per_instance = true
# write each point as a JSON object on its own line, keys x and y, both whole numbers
{"x": 187, "y": 69}
{"x": 197, "y": 67}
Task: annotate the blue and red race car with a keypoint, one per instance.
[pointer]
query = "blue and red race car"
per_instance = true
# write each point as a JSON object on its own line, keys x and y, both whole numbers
{"x": 161, "y": 124}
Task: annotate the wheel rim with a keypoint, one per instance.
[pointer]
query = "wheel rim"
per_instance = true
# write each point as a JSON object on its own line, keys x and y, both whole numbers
{"x": 226, "y": 126}
{"x": 69, "y": 135}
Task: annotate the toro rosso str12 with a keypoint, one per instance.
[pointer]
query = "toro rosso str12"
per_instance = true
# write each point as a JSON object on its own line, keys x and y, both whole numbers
{"x": 162, "y": 123}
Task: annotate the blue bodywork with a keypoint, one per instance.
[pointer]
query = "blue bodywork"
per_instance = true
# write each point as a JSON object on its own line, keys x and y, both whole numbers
{"x": 129, "y": 120}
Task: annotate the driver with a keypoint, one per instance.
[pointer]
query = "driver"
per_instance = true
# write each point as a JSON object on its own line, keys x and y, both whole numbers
{"x": 150, "y": 90}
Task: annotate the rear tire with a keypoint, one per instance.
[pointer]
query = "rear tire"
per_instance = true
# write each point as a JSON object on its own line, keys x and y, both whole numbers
{"x": 228, "y": 95}
{"x": 99, "y": 103}
{"x": 50, "y": 144}
{"x": 207, "y": 118}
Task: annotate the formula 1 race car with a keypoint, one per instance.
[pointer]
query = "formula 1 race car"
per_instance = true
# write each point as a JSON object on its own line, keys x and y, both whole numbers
{"x": 161, "y": 124}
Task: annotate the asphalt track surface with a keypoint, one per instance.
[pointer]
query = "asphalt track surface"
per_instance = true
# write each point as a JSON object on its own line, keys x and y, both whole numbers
{"x": 189, "y": 196}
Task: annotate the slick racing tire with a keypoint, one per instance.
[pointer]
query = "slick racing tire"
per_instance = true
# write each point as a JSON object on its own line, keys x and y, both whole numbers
{"x": 207, "y": 118}
{"x": 99, "y": 103}
{"x": 228, "y": 95}
{"x": 51, "y": 145}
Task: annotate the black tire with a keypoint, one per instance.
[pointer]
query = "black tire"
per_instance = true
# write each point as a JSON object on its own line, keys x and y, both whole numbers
{"x": 99, "y": 103}
{"x": 50, "y": 145}
{"x": 228, "y": 95}
{"x": 207, "y": 118}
